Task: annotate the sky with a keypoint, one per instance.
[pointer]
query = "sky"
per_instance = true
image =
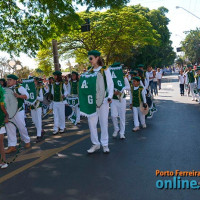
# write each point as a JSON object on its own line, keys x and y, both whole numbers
{"x": 180, "y": 21}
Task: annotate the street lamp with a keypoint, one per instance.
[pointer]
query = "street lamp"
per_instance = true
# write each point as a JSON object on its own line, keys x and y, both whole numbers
{"x": 177, "y": 7}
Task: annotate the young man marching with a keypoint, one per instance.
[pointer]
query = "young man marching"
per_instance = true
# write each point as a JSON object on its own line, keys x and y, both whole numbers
{"x": 118, "y": 105}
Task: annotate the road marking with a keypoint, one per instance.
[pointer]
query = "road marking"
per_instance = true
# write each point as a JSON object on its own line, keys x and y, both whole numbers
{"x": 42, "y": 158}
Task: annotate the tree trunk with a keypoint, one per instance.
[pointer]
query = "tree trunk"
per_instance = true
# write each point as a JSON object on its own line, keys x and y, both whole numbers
{"x": 55, "y": 55}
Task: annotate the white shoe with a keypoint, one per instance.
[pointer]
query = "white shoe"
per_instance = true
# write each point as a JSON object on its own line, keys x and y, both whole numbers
{"x": 94, "y": 148}
{"x": 122, "y": 136}
{"x": 115, "y": 134}
{"x": 193, "y": 99}
{"x": 4, "y": 166}
{"x": 55, "y": 132}
{"x": 144, "y": 125}
{"x": 137, "y": 128}
{"x": 62, "y": 130}
{"x": 106, "y": 149}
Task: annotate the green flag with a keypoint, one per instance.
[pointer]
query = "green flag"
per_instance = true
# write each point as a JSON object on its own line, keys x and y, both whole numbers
{"x": 118, "y": 77}
{"x": 29, "y": 85}
{"x": 87, "y": 94}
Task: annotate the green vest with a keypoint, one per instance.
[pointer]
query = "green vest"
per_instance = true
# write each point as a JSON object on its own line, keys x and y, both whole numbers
{"x": 191, "y": 78}
{"x": 2, "y": 116}
{"x": 137, "y": 96}
{"x": 20, "y": 101}
{"x": 58, "y": 92}
{"x": 74, "y": 87}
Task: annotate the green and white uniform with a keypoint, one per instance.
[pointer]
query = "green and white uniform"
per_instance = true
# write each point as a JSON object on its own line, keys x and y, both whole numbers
{"x": 36, "y": 111}
{"x": 136, "y": 97}
{"x": 191, "y": 82}
{"x": 2, "y": 115}
{"x": 18, "y": 119}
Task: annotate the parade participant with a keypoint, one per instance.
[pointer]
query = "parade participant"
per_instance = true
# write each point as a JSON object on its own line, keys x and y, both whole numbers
{"x": 149, "y": 76}
{"x": 118, "y": 105}
{"x": 191, "y": 80}
{"x": 74, "y": 84}
{"x": 3, "y": 82}
{"x": 21, "y": 94}
{"x": 101, "y": 113}
{"x": 155, "y": 83}
{"x": 3, "y": 120}
{"x": 198, "y": 81}
{"x": 136, "y": 98}
{"x": 159, "y": 77}
{"x": 59, "y": 93}
{"x": 36, "y": 109}
{"x": 181, "y": 79}
{"x": 144, "y": 81}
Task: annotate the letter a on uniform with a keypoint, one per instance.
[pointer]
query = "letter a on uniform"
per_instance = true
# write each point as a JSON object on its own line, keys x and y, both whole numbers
{"x": 113, "y": 75}
{"x": 84, "y": 84}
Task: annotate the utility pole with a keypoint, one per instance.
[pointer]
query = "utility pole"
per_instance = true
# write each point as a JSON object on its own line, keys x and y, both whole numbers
{"x": 55, "y": 55}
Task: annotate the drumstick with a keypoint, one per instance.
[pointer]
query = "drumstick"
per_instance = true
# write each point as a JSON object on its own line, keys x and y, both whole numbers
{"x": 47, "y": 113}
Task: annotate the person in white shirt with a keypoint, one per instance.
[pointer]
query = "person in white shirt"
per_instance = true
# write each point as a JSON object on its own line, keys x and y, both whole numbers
{"x": 159, "y": 77}
{"x": 155, "y": 83}
{"x": 149, "y": 76}
{"x": 182, "y": 79}
{"x": 21, "y": 94}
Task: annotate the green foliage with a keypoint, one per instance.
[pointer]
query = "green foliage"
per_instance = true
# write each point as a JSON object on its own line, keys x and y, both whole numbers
{"x": 114, "y": 32}
{"x": 25, "y": 24}
{"x": 191, "y": 46}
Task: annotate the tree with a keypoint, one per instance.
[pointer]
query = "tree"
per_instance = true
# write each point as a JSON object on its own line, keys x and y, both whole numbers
{"x": 114, "y": 32}
{"x": 191, "y": 46}
{"x": 25, "y": 24}
{"x": 156, "y": 55}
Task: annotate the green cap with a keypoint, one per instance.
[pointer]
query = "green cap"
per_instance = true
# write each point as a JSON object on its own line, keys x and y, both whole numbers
{"x": 58, "y": 73}
{"x": 189, "y": 65}
{"x": 133, "y": 73}
{"x": 140, "y": 65}
{"x": 116, "y": 64}
{"x": 137, "y": 78}
{"x": 94, "y": 53}
{"x": 12, "y": 76}
{"x": 75, "y": 73}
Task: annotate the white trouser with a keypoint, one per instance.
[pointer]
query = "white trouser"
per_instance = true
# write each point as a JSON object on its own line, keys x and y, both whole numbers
{"x": 118, "y": 109}
{"x": 37, "y": 120}
{"x": 192, "y": 86}
{"x": 137, "y": 113}
{"x": 59, "y": 115}
{"x": 19, "y": 121}
{"x": 77, "y": 111}
{"x": 102, "y": 115}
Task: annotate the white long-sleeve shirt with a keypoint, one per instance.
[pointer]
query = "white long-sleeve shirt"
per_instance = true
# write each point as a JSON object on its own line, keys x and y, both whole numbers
{"x": 64, "y": 88}
{"x": 143, "y": 95}
{"x": 127, "y": 84}
{"x": 22, "y": 91}
{"x": 40, "y": 95}
{"x": 109, "y": 81}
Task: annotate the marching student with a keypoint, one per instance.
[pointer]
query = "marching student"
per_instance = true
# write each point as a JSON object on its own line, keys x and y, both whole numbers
{"x": 59, "y": 93}
{"x": 149, "y": 76}
{"x": 137, "y": 96}
{"x": 118, "y": 105}
{"x": 3, "y": 82}
{"x": 36, "y": 110}
{"x": 74, "y": 91}
{"x": 3, "y": 120}
{"x": 21, "y": 94}
{"x": 191, "y": 80}
{"x": 102, "y": 113}
{"x": 181, "y": 79}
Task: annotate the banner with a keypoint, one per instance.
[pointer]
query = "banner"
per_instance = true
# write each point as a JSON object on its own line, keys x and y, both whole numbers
{"x": 87, "y": 94}
{"x": 29, "y": 85}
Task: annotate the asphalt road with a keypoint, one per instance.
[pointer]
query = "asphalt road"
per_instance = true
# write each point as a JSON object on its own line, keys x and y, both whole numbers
{"x": 60, "y": 168}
